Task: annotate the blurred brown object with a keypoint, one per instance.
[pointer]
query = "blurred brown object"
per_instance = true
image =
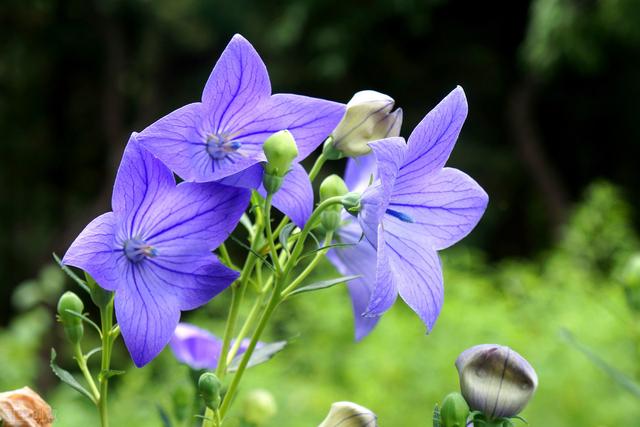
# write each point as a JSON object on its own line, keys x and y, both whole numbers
{"x": 24, "y": 408}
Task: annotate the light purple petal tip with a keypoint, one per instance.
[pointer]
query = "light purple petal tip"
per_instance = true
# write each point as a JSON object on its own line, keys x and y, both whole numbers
{"x": 95, "y": 251}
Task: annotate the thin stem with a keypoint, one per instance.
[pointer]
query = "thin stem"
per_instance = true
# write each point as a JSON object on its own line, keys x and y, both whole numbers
{"x": 82, "y": 364}
{"x": 251, "y": 318}
{"x": 270, "y": 242}
{"x": 309, "y": 268}
{"x": 228, "y": 331}
{"x": 273, "y": 303}
{"x": 224, "y": 254}
{"x": 209, "y": 418}
{"x": 106, "y": 320}
{"x": 320, "y": 161}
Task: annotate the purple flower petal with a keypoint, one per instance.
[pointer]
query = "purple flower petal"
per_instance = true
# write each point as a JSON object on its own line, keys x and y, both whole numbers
{"x": 385, "y": 290}
{"x": 238, "y": 85}
{"x": 389, "y": 154}
{"x": 356, "y": 260}
{"x": 196, "y": 347}
{"x": 310, "y": 120}
{"x": 147, "y": 318}
{"x": 248, "y": 178}
{"x": 140, "y": 181}
{"x": 95, "y": 251}
{"x": 444, "y": 208}
{"x": 360, "y": 172}
{"x": 295, "y": 197}
{"x": 414, "y": 267}
{"x": 208, "y": 212}
{"x": 190, "y": 274}
{"x": 431, "y": 142}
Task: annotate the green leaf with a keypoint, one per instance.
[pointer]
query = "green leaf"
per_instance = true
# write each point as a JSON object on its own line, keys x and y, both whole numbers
{"x": 71, "y": 274}
{"x": 334, "y": 245}
{"x": 263, "y": 259}
{"x": 110, "y": 373}
{"x": 260, "y": 355}
{"x": 164, "y": 416}
{"x": 67, "y": 378}
{"x": 285, "y": 234}
{"x": 323, "y": 285}
{"x": 622, "y": 379}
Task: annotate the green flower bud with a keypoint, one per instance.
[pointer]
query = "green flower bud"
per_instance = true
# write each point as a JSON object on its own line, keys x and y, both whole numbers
{"x": 332, "y": 186}
{"x": 100, "y": 297}
{"x": 368, "y": 118}
{"x": 259, "y": 407}
{"x": 454, "y": 411}
{"x": 495, "y": 380}
{"x": 209, "y": 387}
{"x": 73, "y": 327}
{"x": 348, "y": 414}
{"x": 280, "y": 149}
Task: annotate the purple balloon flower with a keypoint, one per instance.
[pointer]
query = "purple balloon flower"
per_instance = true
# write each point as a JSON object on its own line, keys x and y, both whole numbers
{"x": 221, "y": 137}
{"x": 415, "y": 208}
{"x": 199, "y": 348}
{"x": 154, "y": 249}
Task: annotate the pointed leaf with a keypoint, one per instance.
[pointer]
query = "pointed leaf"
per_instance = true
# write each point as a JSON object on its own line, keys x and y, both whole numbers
{"x": 260, "y": 355}
{"x": 71, "y": 274}
{"x": 66, "y": 377}
{"x": 323, "y": 285}
{"x": 285, "y": 234}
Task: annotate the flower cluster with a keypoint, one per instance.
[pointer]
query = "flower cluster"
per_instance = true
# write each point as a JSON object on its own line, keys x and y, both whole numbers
{"x": 241, "y": 147}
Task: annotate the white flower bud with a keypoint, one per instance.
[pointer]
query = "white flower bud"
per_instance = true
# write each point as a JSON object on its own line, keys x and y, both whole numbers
{"x": 495, "y": 380}
{"x": 368, "y": 118}
{"x": 348, "y": 414}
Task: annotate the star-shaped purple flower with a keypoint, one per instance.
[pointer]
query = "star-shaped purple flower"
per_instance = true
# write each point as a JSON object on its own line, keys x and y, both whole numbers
{"x": 154, "y": 249}
{"x": 199, "y": 348}
{"x": 221, "y": 137}
{"x": 415, "y": 208}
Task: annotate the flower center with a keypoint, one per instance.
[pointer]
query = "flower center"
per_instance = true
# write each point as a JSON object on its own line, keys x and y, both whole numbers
{"x": 219, "y": 146}
{"x": 137, "y": 250}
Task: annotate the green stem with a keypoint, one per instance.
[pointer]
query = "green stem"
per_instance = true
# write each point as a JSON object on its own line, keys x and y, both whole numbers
{"x": 224, "y": 254}
{"x": 106, "y": 320}
{"x": 228, "y": 331}
{"x": 270, "y": 242}
{"x": 251, "y": 318}
{"x": 309, "y": 268}
{"x": 82, "y": 364}
{"x": 266, "y": 316}
{"x": 320, "y": 161}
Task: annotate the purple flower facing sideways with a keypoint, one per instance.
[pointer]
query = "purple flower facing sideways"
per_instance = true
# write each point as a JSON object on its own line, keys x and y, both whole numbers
{"x": 415, "y": 208}
{"x": 154, "y": 249}
{"x": 221, "y": 137}
{"x": 199, "y": 348}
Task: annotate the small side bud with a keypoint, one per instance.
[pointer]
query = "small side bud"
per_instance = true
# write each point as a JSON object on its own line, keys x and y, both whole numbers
{"x": 280, "y": 149}
{"x": 259, "y": 407}
{"x": 495, "y": 380}
{"x": 368, "y": 118}
{"x": 100, "y": 297}
{"x": 209, "y": 387}
{"x": 349, "y": 414}
{"x": 73, "y": 327}
{"x": 454, "y": 411}
{"x": 332, "y": 186}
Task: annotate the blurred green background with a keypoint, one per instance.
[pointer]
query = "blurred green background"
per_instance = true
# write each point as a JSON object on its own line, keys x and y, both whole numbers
{"x": 552, "y": 136}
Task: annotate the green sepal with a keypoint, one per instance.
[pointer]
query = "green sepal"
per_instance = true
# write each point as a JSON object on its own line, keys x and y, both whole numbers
{"x": 106, "y": 374}
{"x": 66, "y": 377}
{"x": 100, "y": 297}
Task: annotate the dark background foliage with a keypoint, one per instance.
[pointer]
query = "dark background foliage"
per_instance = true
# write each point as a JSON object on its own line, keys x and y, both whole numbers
{"x": 552, "y": 88}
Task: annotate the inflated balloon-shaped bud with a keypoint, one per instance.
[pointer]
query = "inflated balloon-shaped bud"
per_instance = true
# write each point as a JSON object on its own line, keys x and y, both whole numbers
{"x": 259, "y": 407}
{"x": 495, "y": 380}
{"x": 368, "y": 118}
{"x": 280, "y": 149}
{"x": 209, "y": 387}
{"x": 332, "y": 186}
{"x": 454, "y": 411}
{"x": 631, "y": 280}
{"x": 68, "y": 304}
{"x": 349, "y": 414}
